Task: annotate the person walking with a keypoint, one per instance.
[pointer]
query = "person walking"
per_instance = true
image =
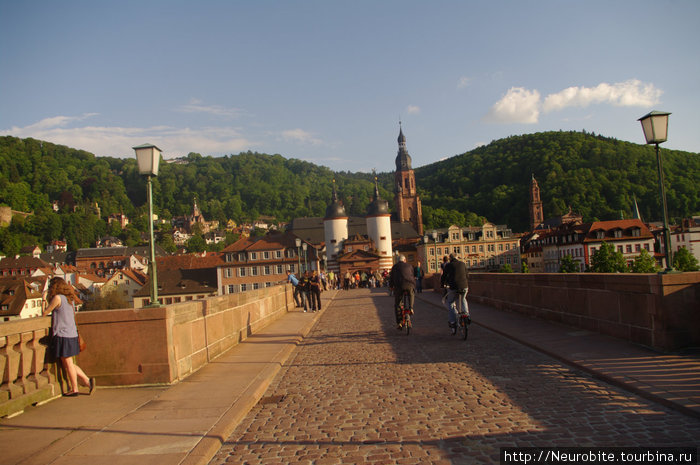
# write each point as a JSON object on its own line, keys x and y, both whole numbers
{"x": 402, "y": 279}
{"x": 418, "y": 273}
{"x": 64, "y": 345}
{"x": 315, "y": 291}
{"x": 454, "y": 278}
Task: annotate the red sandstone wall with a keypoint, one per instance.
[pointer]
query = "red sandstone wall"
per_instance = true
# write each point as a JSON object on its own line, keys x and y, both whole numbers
{"x": 135, "y": 346}
{"x": 656, "y": 310}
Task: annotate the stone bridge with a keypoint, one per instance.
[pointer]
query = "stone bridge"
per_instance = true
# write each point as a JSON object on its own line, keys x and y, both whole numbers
{"x": 251, "y": 379}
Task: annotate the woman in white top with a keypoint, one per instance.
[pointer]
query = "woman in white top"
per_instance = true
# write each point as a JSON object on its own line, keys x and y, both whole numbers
{"x": 64, "y": 338}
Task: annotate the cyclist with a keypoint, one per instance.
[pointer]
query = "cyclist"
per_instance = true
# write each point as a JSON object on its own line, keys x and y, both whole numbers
{"x": 454, "y": 278}
{"x": 402, "y": 279}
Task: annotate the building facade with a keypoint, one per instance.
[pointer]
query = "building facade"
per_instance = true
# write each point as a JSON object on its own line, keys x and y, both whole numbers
{"x": 485, "y": 248}
{"x": 256, "y": 262}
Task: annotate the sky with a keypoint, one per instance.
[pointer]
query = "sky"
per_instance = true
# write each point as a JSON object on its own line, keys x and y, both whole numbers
{"x": 330, "y": 81}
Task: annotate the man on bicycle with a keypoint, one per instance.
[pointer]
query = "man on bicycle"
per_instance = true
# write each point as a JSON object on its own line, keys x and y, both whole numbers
{"x": 402, "y": 279}
{"x": 454, "y": 278}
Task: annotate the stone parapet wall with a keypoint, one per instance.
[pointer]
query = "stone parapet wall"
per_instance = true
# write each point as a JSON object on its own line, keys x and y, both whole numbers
{"x": 148, "y": 346}
{"x": 661, "y": 311}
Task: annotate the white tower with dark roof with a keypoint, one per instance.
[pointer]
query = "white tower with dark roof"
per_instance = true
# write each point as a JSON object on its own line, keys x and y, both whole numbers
{"x": 335, "y": 230}
{"x": 379, "y": 228}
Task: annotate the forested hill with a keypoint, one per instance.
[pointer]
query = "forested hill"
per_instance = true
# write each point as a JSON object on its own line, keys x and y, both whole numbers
{"x": 598, "y": 177}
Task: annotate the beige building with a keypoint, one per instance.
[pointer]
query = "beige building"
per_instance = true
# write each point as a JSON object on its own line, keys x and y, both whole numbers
{"x": 482, "y": 248}
{"x": 256, "y": 262}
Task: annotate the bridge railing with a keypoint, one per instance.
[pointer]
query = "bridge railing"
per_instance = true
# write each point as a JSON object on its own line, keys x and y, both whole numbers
{"x": 661, "y": 311}
{"x": 148, "y": 346}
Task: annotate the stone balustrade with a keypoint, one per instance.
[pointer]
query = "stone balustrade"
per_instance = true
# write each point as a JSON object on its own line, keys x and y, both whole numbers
{"x": 661, "y": 311}
{"x": 148, "y": 346}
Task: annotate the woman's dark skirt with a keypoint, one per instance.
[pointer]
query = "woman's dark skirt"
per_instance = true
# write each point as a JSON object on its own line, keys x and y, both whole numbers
{"x": 62, "y": 347}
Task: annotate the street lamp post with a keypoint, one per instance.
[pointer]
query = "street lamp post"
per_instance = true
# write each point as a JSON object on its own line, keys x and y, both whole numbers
{"x": 304, "y": 247}
{"x": 148, "y": 157}
{"x": 298, "y": 243}
{"x": 434, "y": 235}
{"x": 655, "y": 127}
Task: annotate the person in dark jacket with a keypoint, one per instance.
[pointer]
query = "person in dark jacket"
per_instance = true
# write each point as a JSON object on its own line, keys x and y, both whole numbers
{"x": 402, "y": 279}
{"x": 454, "y": 278}
{"x": 418, "y": 273}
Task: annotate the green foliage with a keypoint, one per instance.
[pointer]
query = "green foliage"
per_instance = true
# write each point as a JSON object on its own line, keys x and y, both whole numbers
{"x": 595, "y": 176}
{"x": 608, "y": 260}
{"x": 567, "y": 264}
{"x": 523, "y": 266}
{"x": 683, "y": 260}
{"x": 196, "y": 243}
{"x": 108, "y": 300}
{"x": 506, "y": 268}
{"x": 644, "y": 263}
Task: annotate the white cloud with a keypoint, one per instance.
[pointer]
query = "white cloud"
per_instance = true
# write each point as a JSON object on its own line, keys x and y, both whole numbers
{"x": 197, "y": 106}
{"x": 464, "y": 81}
{"x": 630, "y": 93}
{"x": 301, "y": 136}
{"x": 519, "y": 105}
{"x": 117, "y": 141}
{"x": 413, "y": 109}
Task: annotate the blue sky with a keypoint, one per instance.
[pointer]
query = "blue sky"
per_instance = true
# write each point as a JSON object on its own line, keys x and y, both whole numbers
{"x": 328, "y": 81}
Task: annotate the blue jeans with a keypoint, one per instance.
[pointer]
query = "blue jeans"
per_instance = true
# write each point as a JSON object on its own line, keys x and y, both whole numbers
{"x": 452, "y": 305}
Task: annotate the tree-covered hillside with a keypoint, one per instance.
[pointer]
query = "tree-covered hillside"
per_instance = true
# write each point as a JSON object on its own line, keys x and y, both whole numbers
{"x": 596, "y": 176}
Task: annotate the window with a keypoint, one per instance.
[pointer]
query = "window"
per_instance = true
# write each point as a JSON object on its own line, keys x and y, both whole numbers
{"x": 646, "y": 246}
{"x": 253, "y": 270}
{"x": 619, "y": 248}
{"x": 618, "y": 233}
{"x": 266, "y": 255}
{"x": 268, "y": 270}
{"x": 230, "y": 288}
{"x": 279, "y": 269}
{"x": 256, "y": 286}
{"x": 228, "y": 273}
{"x": 637, "y": 248}
{"x": 244, "y": 287}
{"x": 431, "y": 252}
{"x": 628, "y": 248}
{"x": 481, "y": 248}
{"x": 507, "y": 246}
{"x": 456, "y": 250}
{"x": 242, "y": 272}
{"x": 278, "y": 254}
{"x": 500, "y": 247}
{"x": 474, "y": 248}
{"x": 253, "y": 255}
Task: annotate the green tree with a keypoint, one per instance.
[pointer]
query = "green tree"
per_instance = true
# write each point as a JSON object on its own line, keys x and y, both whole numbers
{"x": 608, "y": 260}
{"x": 196, "y": 243}
{"x": 683, "y": 260}
{"x": 506, "y": 268}
{"x": 165, "y": 240}
{"x": 644, "y": 263}
{"x": 567, "y": 264}
{"x": 111, "y": 299}
{"x": 524, "y": 267}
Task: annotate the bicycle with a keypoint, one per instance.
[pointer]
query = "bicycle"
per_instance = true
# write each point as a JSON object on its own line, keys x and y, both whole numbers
{"x": 463, "y": 319}
{"x": 405, "y": 307}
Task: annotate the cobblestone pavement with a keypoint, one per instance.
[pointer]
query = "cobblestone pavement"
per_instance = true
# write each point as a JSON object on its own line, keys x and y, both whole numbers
{"x": 358, "y": 391}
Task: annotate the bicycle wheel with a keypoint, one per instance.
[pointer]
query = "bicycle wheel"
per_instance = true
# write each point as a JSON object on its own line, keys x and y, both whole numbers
{"x": 463, "y": 326}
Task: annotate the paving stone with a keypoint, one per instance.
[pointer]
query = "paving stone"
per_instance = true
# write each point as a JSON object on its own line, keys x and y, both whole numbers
{"x": 358, "y": 391}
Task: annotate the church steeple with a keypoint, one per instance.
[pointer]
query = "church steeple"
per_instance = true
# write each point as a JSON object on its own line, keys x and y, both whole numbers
{"x": 408, "y": 206}
{"x": 403, "y": 159}
{"x": 536, "y": 213}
